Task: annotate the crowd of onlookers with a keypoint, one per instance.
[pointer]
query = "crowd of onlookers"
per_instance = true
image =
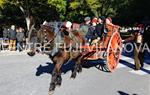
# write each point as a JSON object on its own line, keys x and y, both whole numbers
{"x": 13, "y": 38}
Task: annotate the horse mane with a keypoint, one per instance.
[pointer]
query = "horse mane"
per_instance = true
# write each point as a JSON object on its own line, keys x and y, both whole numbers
{"x": 79, "y": 35}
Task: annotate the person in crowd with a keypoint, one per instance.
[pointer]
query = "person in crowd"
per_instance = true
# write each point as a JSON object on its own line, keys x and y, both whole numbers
{"x": 5, "y": 33}
{"x": 1, "y": 33}
{"x": 12, "y": 38}
{"x": 20, "y": 38}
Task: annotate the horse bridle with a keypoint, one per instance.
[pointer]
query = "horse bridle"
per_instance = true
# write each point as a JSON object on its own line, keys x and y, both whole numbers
{"x": 52, "y": 39}
{"x": 54, "y": 36}
{"x": 46, "y": 36}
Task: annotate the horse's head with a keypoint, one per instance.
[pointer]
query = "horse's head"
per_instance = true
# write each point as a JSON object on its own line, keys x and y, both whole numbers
{"x": 46, "y": 33}
{"x": 44, "y": 38}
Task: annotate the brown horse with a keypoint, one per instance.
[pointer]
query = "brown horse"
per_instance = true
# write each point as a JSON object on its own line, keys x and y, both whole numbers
{"x": 64, "y": 53}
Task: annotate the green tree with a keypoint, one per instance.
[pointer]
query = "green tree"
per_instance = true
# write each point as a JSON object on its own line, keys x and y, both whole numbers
{"x": 78, "y": 9}
{"x": 130, "y": 12}
{"x": 60, "y": 6}
{"x": 94, "y": 7}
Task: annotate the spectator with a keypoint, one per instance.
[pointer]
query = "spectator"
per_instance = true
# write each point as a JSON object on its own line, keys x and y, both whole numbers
{"x": 1, "y": 33}
{"x": 12, "y": 38}
{"x": 5, "y": 33}
{"x": 20, "y": 38}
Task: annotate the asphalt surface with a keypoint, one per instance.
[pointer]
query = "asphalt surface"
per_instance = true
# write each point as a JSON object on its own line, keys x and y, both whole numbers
{"x": 24, "y": 75}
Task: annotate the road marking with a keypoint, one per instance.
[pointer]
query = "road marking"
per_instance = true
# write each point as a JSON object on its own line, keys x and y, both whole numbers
{"x": 141, "y": 72}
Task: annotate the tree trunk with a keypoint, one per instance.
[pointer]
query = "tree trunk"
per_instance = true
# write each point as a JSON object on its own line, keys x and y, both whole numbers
{"x": 28, "y": 17}
{"x": 28, "y": 23}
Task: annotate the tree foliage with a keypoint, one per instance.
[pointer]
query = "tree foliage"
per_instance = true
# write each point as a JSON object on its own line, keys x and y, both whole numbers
{"x": 95, "y": 7}
{"x": 122, "y": 11}
{"x": 35, "y": 11}
{"x": 2, "y": 3}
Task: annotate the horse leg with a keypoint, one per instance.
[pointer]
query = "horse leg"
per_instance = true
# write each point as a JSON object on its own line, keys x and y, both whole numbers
{"x": 80, "y": 60}
{"x": 59, "y": 79}
{"x": 74, "y": 72}
{"x": 78, "y": 67}
{"x": 53, "y": 81}
{"x": 61, "y": 61}
{"x": 56, "y": 75}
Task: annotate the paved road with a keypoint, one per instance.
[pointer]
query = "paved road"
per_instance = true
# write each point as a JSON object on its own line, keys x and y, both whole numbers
{"x": 24, "y": 75}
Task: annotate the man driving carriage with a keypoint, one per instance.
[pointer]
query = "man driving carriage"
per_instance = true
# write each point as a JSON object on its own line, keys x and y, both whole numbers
{"x": 66, "y": 28}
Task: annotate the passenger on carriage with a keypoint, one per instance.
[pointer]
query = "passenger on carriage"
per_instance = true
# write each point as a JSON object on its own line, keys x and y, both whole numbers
{"x": 107, "y": 22}
{"x": 85, "y": 27}
{"x": 99, "y": 30}
{"x": 91, "y": 35}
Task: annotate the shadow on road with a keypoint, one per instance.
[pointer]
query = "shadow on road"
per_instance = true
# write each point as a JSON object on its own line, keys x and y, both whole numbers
{"x": 123, "y": 93}
{"x": 50, "y": 66}
{"x": 130, "y": 65}
{"x": 131, "y": 55}
{"x": 70, "y": 66}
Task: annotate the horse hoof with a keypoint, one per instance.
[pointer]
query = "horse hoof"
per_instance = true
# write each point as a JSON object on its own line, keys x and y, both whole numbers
{"x": 59, "y": 81}
{"x": 58, "y": 84}
{"x": 50, "y": 92}
{"x": 73, "y": 76}
{"x": 52, "y": 88}
{"x": 31, "y": 54}
{"x": 79, "y": 70}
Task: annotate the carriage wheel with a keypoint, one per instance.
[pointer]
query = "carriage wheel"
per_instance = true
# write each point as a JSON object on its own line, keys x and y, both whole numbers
{"x": 114, "y": 50}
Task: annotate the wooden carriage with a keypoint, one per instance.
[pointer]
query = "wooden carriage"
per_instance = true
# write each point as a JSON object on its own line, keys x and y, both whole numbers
{"x": 109, "y": 48}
